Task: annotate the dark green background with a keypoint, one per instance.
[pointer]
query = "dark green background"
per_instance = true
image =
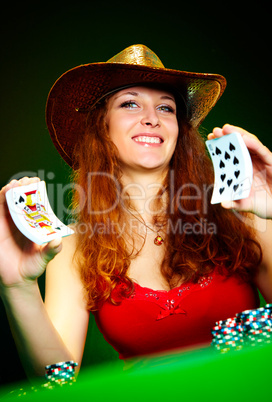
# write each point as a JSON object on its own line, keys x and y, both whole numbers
{"x": 42, "y": 40}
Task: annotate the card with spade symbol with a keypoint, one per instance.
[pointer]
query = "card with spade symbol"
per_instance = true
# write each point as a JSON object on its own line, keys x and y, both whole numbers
{"x": 31, "y": 212}
{"x": 233, "y": 171}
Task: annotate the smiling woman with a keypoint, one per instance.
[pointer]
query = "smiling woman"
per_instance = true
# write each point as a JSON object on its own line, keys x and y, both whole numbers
{"x": 142, "y": 123}
{"x": 153, "y": 260}
{"x": 160, "y": 188}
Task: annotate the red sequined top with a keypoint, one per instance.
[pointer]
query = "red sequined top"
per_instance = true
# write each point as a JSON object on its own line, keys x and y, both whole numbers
{"x": 153, "y": 321}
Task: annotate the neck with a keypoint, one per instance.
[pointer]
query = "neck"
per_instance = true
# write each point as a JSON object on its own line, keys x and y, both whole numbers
{"x": 143, "y": 189}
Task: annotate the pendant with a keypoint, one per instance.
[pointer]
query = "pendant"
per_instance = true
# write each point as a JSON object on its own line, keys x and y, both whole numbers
{"x": 158, "y": 240}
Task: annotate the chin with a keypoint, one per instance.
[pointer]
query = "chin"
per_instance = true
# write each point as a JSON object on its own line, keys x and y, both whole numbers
{"x": 151, "y": 162}
{"x": 151, "y": 167}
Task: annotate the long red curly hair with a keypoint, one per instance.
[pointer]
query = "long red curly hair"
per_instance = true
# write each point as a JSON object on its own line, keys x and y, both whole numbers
{"x": 200, "y": 236}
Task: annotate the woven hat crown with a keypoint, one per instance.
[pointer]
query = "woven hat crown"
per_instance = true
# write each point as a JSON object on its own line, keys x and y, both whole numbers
{"x": 137, "y": 54}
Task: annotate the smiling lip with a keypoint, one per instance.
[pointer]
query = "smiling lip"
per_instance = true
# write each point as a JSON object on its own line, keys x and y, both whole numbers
{"x": 148, "y": 139}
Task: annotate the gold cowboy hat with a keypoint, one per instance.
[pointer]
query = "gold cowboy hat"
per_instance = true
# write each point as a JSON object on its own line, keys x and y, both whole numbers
{"x": 79, "y": 89}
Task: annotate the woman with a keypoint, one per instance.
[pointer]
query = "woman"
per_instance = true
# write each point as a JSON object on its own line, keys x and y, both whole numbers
{"x": 151, "y": 258}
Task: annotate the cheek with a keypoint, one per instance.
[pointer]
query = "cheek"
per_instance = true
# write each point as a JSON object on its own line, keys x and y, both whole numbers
{"x": 116, "y": 125}
{"x": 113, "y": 130}
{"x": 116, "y": 134}
{"x": 174, "y": 130}
{"x": 119, "y": 130}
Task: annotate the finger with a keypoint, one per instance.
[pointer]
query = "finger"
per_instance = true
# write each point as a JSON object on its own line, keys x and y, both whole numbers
{"x": 246, "y": 135}
{"x": 245, "y": 205}
{"x": 230, "y": 205}
{"x": 254, "y": 145}
{"x": 51, "y": 249}
{"x": 217, "y": 132}
{"x": 16, "y": 183}
{"x": 226, "y": 129}
{"x": 13, "y": 183}
{"x": 211, "y": 136}
{"x": 34, "y": 179}
{"x": 24, "y": 181}
{"x": 257, "y": 148}
{"x": 229, "y": 128}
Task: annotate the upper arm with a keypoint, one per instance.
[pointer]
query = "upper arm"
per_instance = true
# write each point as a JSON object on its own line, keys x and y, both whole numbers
{"x": 64, "y": 299}
{"x": 263, "y": 229}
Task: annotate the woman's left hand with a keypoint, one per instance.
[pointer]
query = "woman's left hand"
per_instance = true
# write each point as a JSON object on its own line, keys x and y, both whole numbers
{"x": 260, "y": 198}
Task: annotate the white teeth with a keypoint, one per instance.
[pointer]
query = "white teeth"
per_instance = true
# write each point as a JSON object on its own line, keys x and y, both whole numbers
{"x": 151, "y": 140}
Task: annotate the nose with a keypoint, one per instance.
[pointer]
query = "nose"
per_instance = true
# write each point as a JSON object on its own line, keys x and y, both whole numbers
{"x": 150, "y": 118}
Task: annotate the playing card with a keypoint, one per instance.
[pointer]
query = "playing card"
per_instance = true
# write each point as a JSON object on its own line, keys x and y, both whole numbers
{"x": 233, "y": 171}
{"x": 31, "y": 212}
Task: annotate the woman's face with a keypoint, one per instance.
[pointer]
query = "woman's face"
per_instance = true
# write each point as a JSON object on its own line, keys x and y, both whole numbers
{"x": 142, "y": 123}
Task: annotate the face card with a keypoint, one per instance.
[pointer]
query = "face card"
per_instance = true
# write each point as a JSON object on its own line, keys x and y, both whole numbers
{"x": 32, "y": 214}
{"x": 233, "y": 171}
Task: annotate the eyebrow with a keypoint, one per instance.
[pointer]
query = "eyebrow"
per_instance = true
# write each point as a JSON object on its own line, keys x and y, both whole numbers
{"x": 168, "y": 97}
{"x": 128, "y": 93}
{"x": 137, "y": 94}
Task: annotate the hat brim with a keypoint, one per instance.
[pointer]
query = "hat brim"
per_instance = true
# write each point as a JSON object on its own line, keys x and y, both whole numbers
{"x": 80, "y": 88}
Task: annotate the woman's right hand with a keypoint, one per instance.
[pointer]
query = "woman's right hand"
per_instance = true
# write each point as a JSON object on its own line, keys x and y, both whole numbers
{"x": 21, "y": 261}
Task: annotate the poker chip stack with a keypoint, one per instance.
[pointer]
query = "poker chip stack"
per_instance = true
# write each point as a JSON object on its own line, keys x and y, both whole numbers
{"x": 60, "y": 374}
{"x": 248, "y": 328}
{"x": 56, "y": 375}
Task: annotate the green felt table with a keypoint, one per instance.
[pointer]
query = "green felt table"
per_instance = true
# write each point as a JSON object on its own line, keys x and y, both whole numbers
{"x": 196, "y": 375}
